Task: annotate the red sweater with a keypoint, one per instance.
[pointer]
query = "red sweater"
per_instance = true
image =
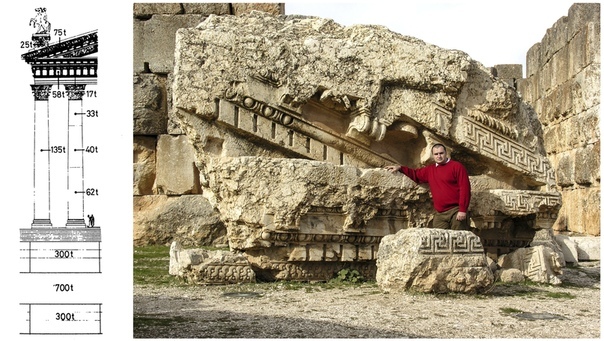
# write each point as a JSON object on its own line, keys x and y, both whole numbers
{"x": 449, "y": 184}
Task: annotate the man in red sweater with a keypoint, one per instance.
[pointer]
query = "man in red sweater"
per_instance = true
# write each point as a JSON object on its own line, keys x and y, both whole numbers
{"x": 449, "y": 185}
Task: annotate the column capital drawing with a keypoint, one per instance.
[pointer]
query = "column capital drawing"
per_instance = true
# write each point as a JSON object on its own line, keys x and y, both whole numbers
{"x": 41, "y": 92}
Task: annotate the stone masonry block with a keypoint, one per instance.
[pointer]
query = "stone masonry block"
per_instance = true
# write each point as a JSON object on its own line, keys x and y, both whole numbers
{"x": 149, "y": 105}
{"x": 138, "y": 46}
{"x": 581, "y": 13}
{"x": 533, "y": 64}
{"x": 176, "y": 171}
{"x": 144, "y": 165}
{"x": 588, "y": 248}
{"x": 587, "y": 167}
{"x": 143, "y": 10}
{"x": 160, "y": 37}
{"x": 554, "y": 39}
{"x": 271, "y": 8}
{"x": 222, "y": 8}
{"x": 580, "y": 211}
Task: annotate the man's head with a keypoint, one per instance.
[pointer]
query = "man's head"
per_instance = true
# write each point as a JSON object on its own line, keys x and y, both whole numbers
{"x": 439, "y": 154}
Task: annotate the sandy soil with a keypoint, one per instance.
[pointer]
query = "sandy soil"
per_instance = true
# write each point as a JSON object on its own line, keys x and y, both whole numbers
{"x": 286, "y": 310}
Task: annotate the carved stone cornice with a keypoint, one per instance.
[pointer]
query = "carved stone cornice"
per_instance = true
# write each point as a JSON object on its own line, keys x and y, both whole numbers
{"x": 268, "y": 77}
{"x": 364, "y": 127}
{"x": 520, "y": 202}
{"x": 290, "y": 131}
{"x": 495, "y": 124}
{"x": 488, "y": 142}
{"x": 296, "y": 237}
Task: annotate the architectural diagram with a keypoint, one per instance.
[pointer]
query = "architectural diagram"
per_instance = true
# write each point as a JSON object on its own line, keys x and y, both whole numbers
{"x": 64, "y": 97}
{"x": 62, "y": 241}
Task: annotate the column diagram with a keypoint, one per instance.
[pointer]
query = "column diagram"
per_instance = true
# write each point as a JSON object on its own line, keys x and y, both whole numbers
{"x": 63, "y": 236}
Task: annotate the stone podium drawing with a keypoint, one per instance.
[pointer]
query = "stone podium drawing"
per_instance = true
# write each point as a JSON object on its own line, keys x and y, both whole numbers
{"x": 293, "y": 118}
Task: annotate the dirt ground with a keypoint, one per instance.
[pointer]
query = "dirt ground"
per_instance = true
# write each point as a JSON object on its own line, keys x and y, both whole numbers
{"x": 291, "y": 310}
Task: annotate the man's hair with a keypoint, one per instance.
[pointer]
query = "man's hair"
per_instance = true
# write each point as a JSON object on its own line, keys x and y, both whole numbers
{"x": 439, "y": 145}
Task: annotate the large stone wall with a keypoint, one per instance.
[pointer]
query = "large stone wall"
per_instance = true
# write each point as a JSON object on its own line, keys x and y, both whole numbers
{"x": 563, "y": 86}
{"x": 166, "y": 184}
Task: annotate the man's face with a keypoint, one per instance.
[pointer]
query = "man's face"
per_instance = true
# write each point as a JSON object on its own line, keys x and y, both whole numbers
{"x": 439, "y": 154}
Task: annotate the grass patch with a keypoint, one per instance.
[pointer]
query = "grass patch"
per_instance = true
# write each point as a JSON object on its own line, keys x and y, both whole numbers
{"x": 560, "y": 295}
{"x": 508, "y": 311}
{"x": 151, "y": 266}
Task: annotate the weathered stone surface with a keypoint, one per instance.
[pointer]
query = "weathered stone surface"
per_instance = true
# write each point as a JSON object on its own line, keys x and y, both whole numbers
{"x": 511, "y": 275}
{"x": 207, "y": 8}
{"x": 509, "y": 73}
{"x": 546, "y": 238}
{"x": 537, "y": 263}
{"x": 568, "y": 247}
{"x": 189, "y": 219}
{"x": 209, "y": 267}
{"x": 150, "y": 105}
{"x": 588, "y": 247}
{"x": 433, "y": 260}
{"x": 144, "y": 165}
{"x": 271, "y": 8}
{"x": 243, "y": 69}
{"x": 257, "y": 195}
{"x": 563, "y": 86}
{"x": 148, "y": 9}
{"x": 176, "y": 170}
{"x": 159, "y": 36}
{"x": 580, "y": 212}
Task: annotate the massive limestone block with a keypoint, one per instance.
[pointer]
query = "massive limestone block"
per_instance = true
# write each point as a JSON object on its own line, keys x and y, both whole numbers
{"x": 189, "y": 219}
{"x": 293, "y": 210}
{"x": 290, "y": 118}
{"x": 433, "y": 260}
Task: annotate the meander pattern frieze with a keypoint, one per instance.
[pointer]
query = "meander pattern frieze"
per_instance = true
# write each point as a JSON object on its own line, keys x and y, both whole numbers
{"x": 502, "y": 148}
{"x": 450, "y": 242}
{"x": 528, "y": 202}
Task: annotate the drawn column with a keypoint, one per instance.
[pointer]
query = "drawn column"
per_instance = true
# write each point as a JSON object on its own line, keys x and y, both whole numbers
{"x": 41, "y": 212}
{"x": 75, "y": 156}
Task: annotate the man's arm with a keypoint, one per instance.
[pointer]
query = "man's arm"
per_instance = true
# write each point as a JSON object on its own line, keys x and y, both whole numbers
{"x": 418, "y": 175}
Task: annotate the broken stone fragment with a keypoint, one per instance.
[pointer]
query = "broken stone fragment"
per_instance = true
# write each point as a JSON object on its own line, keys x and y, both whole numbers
{"x": 537, "y": 263}
{"x": 433, "y": 261}
{"x": 209, "y": 267}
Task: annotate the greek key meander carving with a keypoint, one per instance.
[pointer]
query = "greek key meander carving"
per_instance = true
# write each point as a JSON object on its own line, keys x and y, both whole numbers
{"x": 500, "y": 147}
{"x": 528, "y": 202}
{"x": 447, "y": 242}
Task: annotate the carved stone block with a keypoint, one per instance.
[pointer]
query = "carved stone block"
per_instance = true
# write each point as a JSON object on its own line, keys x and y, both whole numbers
{"x": 432, "y": 260}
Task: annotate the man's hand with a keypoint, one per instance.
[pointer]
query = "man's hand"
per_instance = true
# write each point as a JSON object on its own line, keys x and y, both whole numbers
{"x": 461, "y": 216}
{"x": 393, "y": 169}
